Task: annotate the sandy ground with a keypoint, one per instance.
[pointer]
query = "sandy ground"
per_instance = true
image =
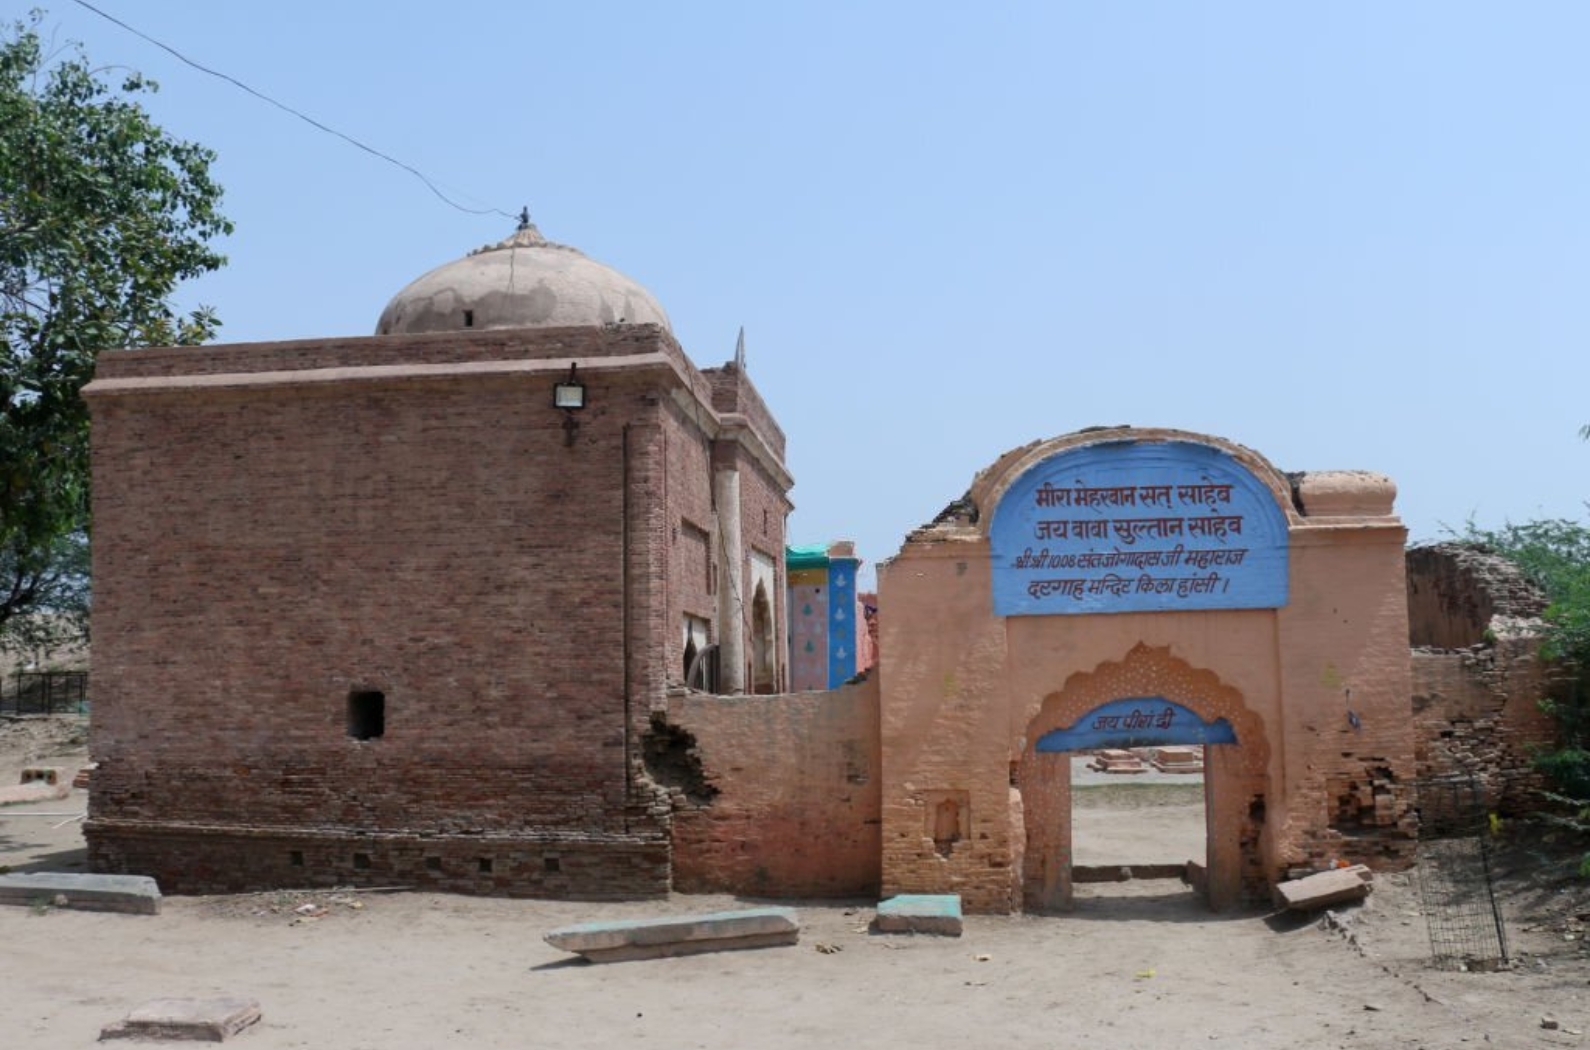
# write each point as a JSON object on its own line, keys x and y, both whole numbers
{"x": 1137, "y": 965}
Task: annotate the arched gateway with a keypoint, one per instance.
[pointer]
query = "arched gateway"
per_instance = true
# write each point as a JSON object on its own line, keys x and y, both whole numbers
{"x": 1130, "y": 587}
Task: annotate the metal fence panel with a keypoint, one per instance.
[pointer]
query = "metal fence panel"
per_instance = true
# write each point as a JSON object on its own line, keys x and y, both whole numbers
{"x": 1455, "y": 876}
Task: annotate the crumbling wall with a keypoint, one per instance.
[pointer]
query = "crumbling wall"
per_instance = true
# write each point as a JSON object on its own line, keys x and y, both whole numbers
{"x": 1478, "y": 677}
{"x": 1477, "y": 711}
{"x": 774, "y": 795}
{"x": 1456, "y": 590}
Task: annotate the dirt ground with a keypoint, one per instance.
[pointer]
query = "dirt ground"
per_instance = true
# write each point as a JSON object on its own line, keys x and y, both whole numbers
{"x": 1137, "y": 965}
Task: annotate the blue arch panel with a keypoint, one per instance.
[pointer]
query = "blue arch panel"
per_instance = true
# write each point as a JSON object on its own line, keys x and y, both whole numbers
{"x": 1128, "y": 526}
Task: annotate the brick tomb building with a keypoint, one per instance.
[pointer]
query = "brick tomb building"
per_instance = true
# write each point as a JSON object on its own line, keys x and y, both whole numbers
{"x": 400, "y": 608}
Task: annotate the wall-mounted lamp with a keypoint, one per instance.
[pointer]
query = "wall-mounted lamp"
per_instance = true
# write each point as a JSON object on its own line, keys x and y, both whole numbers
{"x": 569, "y": 395}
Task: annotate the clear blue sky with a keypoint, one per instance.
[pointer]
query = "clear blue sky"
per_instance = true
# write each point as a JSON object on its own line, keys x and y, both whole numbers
{"x": 1349, "y": 236}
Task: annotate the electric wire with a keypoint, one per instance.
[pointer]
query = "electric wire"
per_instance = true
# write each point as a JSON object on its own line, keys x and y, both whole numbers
{"x": 296, "y": 113}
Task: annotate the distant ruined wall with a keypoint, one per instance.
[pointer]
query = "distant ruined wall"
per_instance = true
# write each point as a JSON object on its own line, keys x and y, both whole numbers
{"x": 776, "y": 795}
{"x": 1455, "y": 590}
{"x": 1478, "y": 677}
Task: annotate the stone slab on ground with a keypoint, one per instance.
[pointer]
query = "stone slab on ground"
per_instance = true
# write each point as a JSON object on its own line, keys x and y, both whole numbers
{"x": 198, "y": 1020}
{"x": 1324, "y": 889}
{"x": 921, "y": 913}
{"x": 133, "y": 894}
{"x": 679, "y": 934}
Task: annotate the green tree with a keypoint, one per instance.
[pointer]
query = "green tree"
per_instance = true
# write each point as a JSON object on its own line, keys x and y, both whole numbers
{"x": 102, "y": 214}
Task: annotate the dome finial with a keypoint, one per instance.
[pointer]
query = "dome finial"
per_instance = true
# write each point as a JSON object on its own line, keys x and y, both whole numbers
{"x": 524, "y": 218}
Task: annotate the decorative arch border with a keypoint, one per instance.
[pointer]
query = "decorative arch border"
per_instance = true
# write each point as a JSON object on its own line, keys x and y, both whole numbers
{"x": 1148, "y": 670}
{"x": 989, "y": 487}
{"x": 1045, "y": 777}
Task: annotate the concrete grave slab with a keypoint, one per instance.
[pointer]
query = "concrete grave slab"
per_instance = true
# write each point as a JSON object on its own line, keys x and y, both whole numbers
{"x": 920, "y": 913}
{"x": 679, "y": 935}
{"x": 197, "y": 1020}
{"x": 132, "y": 894}
{"x": 1115, "y": 760}
{"x": 33, "y": 791}
{"x": 1326, "y": 888}
{"x": 1177, "y": 760}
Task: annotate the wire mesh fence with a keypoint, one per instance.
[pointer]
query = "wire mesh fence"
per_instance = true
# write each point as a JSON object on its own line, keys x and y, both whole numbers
{"x": 44, "y": 693}
{"x": 1455, "y": 875}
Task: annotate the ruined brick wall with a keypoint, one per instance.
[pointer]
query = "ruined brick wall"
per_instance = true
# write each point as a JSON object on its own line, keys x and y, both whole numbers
{"x": 785, "y": 798}
{"x": 1478, "y": 678}
{"x": 1477, "y": 711}
{"x": 269, "y": 542}
{"x": 1456, "y": 590}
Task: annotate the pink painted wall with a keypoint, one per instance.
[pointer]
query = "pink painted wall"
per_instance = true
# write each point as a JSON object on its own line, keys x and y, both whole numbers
{"x": 808, "y": 643}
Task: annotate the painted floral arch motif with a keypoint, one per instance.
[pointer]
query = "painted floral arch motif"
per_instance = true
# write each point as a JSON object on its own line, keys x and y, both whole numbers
{"x": 1150, "y": 671}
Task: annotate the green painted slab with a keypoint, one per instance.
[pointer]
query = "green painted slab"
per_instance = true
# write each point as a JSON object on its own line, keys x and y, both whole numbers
{"x": 938, "y": 913}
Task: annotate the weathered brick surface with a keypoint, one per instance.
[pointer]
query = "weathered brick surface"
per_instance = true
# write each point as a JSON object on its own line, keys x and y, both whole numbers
{"x": 1346, "y": 680}
{"x": 798, "y": 810}
{"x": 1477, "y": 711}
{"x": 557, "y": 346}
{"x": 237, "y": 859}
{"x": 1455, "y": 592}
{"x": 694, "y": 446}
{"x": 694, "y": 553}
{"x": 733, "y": 392}
{"x": 321, "y": 518}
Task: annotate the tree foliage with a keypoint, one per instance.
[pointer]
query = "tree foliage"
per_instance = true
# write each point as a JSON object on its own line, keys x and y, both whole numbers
{"x": 102, "y": 215}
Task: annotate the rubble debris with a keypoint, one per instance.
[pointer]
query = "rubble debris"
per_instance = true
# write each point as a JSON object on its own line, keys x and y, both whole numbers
{"x": 1325, "y": 888}
{"x": 198, "y": 1020}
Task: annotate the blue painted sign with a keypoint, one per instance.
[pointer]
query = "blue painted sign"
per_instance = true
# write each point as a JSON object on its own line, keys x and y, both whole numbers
{"x": 1127, "y": 526}
{"x": 1139, "y": 721}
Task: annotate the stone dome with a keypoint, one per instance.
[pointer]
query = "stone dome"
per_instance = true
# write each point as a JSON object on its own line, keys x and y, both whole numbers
{"x": 525, "y": 281}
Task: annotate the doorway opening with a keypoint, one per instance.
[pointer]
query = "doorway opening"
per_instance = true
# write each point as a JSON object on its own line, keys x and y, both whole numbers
{"x": 762, "y": 658}
{"x": 1139, "y": 822}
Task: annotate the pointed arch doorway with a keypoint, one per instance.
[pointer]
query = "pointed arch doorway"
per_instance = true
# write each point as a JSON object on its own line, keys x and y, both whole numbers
{"x": 1148, "y": 698}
